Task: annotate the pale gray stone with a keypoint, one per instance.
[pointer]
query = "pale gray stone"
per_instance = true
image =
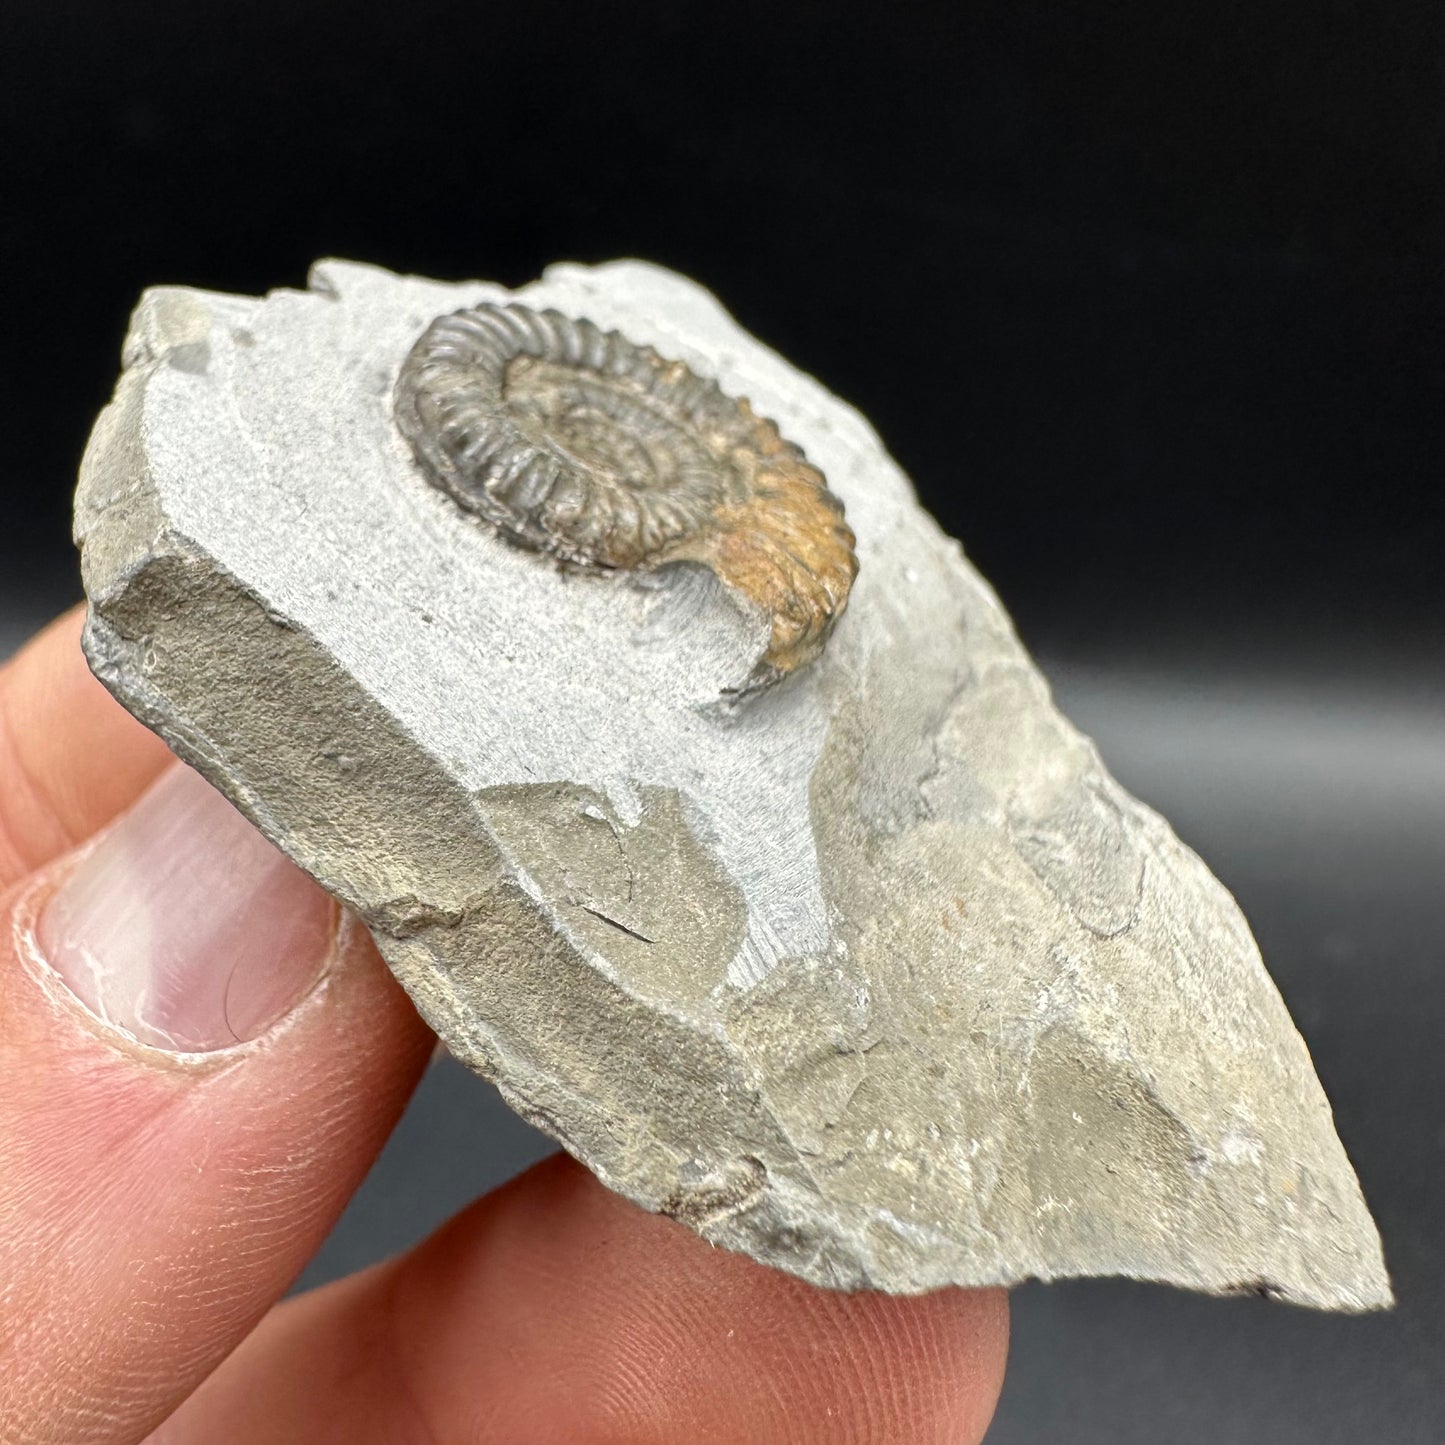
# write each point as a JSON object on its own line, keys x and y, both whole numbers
{"x": 875, "y": 975}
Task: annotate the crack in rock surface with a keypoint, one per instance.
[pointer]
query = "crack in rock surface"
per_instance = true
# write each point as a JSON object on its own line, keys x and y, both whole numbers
{"x": 874, "y": 974}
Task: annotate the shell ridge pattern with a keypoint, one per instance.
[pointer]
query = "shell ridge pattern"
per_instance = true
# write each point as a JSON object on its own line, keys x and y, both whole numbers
{"x": 577, "y": 443}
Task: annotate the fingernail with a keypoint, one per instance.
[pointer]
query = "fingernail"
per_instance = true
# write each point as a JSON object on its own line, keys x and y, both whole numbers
{"x": 183, "y": 927}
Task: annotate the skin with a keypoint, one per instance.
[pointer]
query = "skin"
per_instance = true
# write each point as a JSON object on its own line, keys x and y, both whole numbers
{"x": 153, "y": 1209}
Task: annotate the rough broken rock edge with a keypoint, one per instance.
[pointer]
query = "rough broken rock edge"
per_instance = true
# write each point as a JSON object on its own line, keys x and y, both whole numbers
{"x": 977, "y": 1017}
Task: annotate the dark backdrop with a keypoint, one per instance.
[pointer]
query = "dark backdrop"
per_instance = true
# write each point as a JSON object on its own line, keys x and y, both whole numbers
{"x": 1147, "y": 298}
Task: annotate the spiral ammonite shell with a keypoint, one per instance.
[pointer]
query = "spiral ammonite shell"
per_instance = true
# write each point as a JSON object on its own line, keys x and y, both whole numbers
{"x": 575, "y": 442}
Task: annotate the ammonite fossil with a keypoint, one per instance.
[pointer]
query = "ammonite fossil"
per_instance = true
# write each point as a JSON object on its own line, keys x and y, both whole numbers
{"x": 578, "y": 443}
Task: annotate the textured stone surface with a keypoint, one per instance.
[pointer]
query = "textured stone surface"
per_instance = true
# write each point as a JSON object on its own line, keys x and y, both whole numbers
{"x": 876, "y": 975}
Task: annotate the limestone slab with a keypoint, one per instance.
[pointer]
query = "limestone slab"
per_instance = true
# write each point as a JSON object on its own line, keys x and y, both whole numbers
{"x": 874, "y": 974}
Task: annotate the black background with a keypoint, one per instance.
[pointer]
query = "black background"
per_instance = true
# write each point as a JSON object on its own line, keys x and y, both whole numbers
{"x": 1147, "y": 299}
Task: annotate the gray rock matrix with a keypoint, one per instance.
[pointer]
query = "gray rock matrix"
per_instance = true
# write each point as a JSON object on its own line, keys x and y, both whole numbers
{"x": 875, "y": 975}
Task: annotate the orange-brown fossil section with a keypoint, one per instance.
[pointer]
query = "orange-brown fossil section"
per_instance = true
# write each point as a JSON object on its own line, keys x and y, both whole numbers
{"x": 786, "y": 548}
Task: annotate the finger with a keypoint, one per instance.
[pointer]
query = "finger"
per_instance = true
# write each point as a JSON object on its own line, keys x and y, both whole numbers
{"x": 201, "y": 1055}
{"x": 70, "y": 756}
{"x": 555, "y": 1311}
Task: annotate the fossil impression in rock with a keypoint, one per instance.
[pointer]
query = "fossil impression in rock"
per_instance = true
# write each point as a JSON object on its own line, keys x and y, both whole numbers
{"x": 815, "y": 927}
{"x": 575, "y": 442}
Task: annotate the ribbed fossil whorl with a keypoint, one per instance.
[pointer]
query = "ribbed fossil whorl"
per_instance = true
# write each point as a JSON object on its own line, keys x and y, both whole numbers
{"x": 575, "y": 442}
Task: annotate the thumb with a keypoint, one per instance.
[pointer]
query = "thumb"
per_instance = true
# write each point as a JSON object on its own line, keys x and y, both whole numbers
{"x": 201, "y": 1055}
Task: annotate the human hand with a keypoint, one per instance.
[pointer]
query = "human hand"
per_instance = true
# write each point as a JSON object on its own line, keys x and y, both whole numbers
{"x": 163, "y": 1181}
